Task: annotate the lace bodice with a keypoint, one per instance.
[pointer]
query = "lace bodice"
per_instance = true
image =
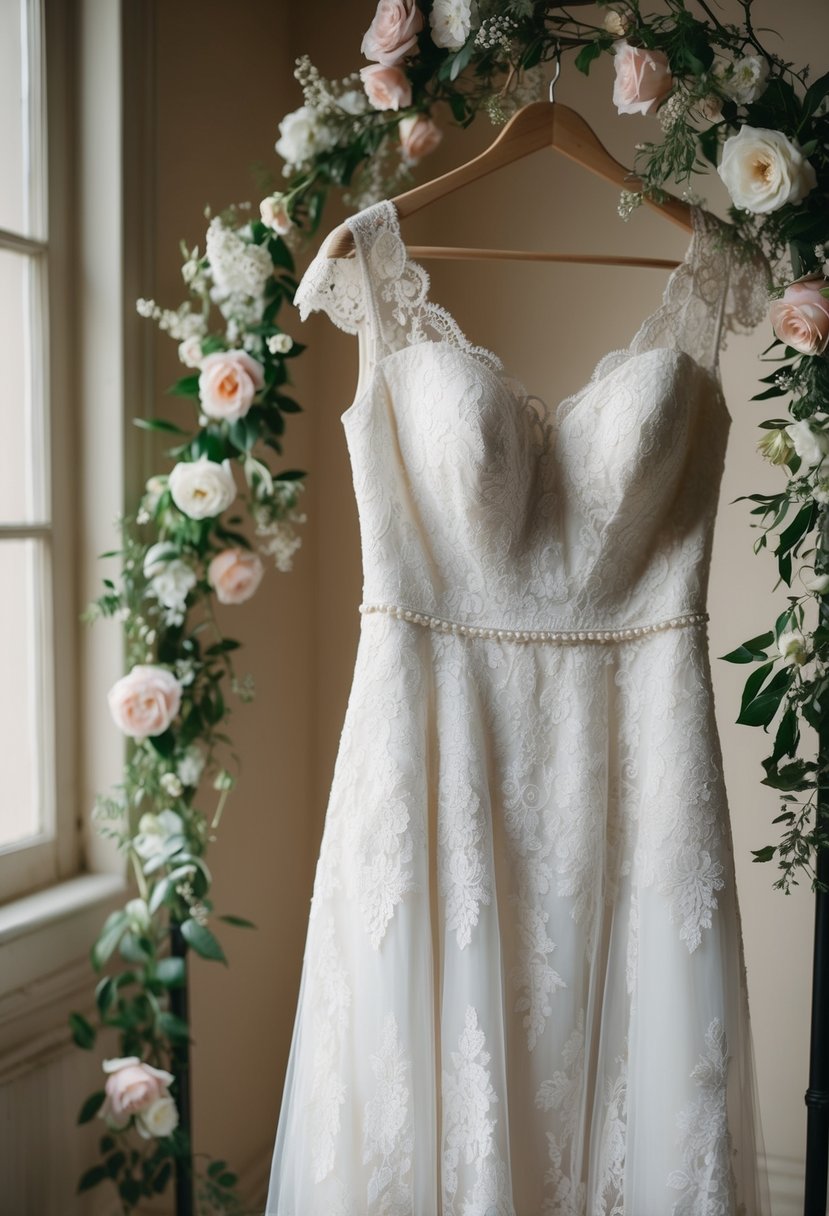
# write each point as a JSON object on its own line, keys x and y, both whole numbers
{"x": 482, "y": 506}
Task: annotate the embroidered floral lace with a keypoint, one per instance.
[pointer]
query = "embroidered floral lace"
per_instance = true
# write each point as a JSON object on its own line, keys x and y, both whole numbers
{"x": 523, "y": 990}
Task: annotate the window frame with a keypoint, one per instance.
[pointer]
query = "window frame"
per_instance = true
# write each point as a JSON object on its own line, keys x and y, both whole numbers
{"x": 55, "y": 852}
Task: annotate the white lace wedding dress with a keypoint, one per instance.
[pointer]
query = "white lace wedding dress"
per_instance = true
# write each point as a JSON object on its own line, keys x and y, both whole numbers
{"x": 523, "y": 990}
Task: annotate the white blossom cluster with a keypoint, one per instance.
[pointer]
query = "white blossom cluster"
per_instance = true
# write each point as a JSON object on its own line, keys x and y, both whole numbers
{"x": 675, "y": 110}
{"x": 629, "y": 200}
{"x": 180, "y": 323}
{"x": 496, "y": 32}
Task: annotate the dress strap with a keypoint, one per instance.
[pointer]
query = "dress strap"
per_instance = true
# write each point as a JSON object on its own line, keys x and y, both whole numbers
{"x": 716, "y": 289}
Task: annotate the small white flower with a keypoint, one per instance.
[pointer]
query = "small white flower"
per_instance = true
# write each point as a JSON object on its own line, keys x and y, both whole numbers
{"x": 139, "y": 915}
{"x": 793, "y": 647}
{"x": 451, "y": 22}
{"x": 354, "y": 102}
{"x": 191, "y": 766}
{"x": 818, "y": 583}
{"x": 280, "y": 344}
{"x": 224, "y": 780}
{"x": 275, "y": 215}
{"x": 154, "y": 831}
{"x": 302, "y": 135}
{"x": 171, "y": 784}
{"x": 810, "y": 443}
{"x": 616, "y": 23}
{"x": 747, "y": 79}
{"x": 820, "y": 493}
{"x": 189, "y": 351}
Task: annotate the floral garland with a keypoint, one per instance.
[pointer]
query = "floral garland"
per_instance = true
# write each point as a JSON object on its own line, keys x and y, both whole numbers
{"x": 724, "y": 101}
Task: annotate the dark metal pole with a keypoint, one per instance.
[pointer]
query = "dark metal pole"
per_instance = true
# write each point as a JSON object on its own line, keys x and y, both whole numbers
{"x": 185, "y": 1205}
{"x": 817, "y": 1095}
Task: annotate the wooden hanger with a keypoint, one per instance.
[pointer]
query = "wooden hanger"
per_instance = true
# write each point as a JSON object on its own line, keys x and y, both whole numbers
{"x": 542, "y": 124}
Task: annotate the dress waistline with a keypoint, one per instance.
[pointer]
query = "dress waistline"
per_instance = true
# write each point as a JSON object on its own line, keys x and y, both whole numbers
{"x": 559, "y": 637}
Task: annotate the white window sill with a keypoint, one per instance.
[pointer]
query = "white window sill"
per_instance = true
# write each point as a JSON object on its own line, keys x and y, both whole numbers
{"x": 41, "y": 933}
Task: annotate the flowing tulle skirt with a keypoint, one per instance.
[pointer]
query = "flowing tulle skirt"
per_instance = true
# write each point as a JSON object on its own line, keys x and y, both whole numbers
{"x": 523, "y": 990}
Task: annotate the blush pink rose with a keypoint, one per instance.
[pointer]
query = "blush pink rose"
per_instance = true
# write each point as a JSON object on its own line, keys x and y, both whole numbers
{"x": 235, "y": 574}
{"x": 801, "y": 317}
{"x": 386, "y": 88}
{"x": 144, "y": 702}
{"x": 228, "y": 381}
{"x": 131, "y": 1088}
{"x": 643, "y": 78}
{"x": 419, "y": 135}
{"x": 393, "y": 33}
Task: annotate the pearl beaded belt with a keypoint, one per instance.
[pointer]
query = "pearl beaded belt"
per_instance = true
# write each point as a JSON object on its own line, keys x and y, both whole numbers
{"x": 559, "y": 636}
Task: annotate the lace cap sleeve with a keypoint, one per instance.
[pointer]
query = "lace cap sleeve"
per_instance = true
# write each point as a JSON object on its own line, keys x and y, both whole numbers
{"x": 333, "y": 286}
{"x": 747, "y": 298}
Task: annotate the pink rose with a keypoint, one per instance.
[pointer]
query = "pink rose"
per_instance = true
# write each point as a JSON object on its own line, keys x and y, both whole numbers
{"x": 228, "y": 383}
{"x": 145, "y": 701}
{"x": 131, "y": 1087}
{"x": 643, "y": 78}
{"x": 234, "y": 574}
{"x": 419, "y": 135}
{"x": 275, "y": 215}
{"x": 392, "y": 34}
{"x": 801, "y": 317}
{"x": 386, "y": 88}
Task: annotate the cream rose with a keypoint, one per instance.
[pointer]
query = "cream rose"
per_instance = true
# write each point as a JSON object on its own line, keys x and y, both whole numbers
{"x": 144, "y": 702}
{"x": 801, "y": 317}
{"x": 274, "y": 214}
{"x": 158, "y": 1119}
{"x": 235, "y": 574}
{"x": 202, "y": 488}
{"x": 228, "y": 382}
{"x": 419, "y": 135}
{"x": 763, "y": 170}
{"x": 393, "y": 32}
{"x": 811, "y": 445}
{"x": 792, "y": 647}
{"x": 131, "y": 1087}
{"x": 643, "y": 78}
{"x": 386, "y": 88}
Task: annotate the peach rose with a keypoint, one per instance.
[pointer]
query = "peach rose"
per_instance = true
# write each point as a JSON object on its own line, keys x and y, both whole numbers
{"x": 144, "y": 702}
{"x": 227, "y": 384}
{"x": 392, "y": 34}
{"x": 234, "y": 574}
{"x": 801, "y": 317}
{"x": 643, "y": 78}
{"x": 131, "y": 1087}
{"x": 419, "y": 135}
{"x": 386, "y": 88}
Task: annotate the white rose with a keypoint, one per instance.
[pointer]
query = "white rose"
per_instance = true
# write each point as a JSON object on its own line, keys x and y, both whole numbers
{"x": 173, "y": 583}
{"x": 158, "y": 1119}
{"x": 154, "y": 831}
{"x": 811, "y": 445}
{"x": 616, "y": 23}
{"x": 189, "y": 351}
{"x": 451, "y": 21}
{"x": 191, "y": 766}
{"x": 202, "y": 488}
{"x": 747, "y": 79}
{"x": 280, "y": 344}
{"x": 302, "y": 136}
{"x": 763, "y": 170}
{"x": 792, "y": 647}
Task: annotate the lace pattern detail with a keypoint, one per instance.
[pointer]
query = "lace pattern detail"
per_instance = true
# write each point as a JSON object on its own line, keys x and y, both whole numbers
{"x": 388, "y": 1137}
{"x": 706, "y": 1180}
{"x": 610, "y": 1197}
{"x": 475, "y": 1180}
{"x": 329, "y": 1004}
{"x": 562, "y": 1093}
{"x": 333, "y": 285}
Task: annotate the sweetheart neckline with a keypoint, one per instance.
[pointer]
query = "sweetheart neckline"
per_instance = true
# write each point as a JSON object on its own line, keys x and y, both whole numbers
{"x": 555, "y": 410}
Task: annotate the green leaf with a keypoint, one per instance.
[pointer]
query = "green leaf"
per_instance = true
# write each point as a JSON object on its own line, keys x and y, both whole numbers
{"x": 109, "y": 937}
{"x": 106, "y": 993}
{"x": 227, "y": 1180}
{"x": 751, "y": 651}
{"x": 709, "y": 143}
{"x": 238, "y": 921}
{"x": 215, "y": 1168}
{"x": 187, "y": 386}
{"x": 158, "y": 424}
{"x": 164, "y": 743}
{"x": 171, "y": 972}
{"x": 815, "y": 94}
{"x": 162, "y": 1177}
{"x": 761, "y": 709}
{"x": 82, "y": 1032}
{"x": 91, "y": 1106}
{"x": 202, "y": 940}
{"x": 587, "y": 55}
{"x": 91, "y": 1178}
{"x": 174, "y": 1027}
{"x": 765, "y": 854}
{"x": 789, "y": 777}
{"x": 787, "y": 737}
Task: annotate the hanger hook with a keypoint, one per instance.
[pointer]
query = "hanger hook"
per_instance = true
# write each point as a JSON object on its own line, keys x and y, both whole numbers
{"x": 558, "y": 72}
